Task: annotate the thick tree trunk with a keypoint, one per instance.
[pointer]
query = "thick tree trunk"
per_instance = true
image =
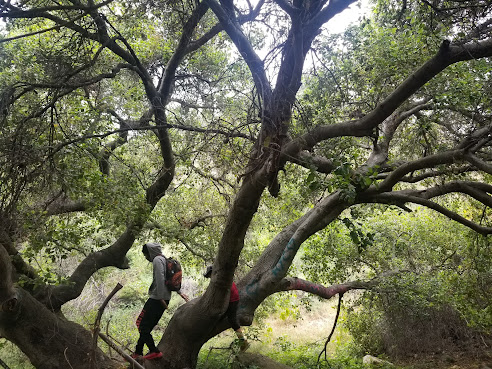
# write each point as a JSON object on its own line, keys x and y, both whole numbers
{"x": 191, "y": 326}
{"x": 48, "y": 340}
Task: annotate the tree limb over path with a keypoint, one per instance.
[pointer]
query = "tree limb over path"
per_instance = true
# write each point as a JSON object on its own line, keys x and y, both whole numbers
{"x": 298, "y": 284}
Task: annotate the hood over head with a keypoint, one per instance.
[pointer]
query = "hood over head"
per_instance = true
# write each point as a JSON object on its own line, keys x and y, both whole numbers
{"x": 154, "y": 249}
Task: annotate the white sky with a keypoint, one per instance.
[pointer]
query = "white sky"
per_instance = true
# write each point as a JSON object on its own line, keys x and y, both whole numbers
{"x": 348, "y": 16}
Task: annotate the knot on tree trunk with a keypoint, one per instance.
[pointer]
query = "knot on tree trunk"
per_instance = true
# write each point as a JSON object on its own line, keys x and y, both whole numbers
{"x": 9, "y": 305}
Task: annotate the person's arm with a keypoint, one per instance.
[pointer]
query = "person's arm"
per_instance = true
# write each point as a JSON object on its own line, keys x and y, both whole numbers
{"x": 185, "y": 297}
{"x": 163, "y": 302}
{"x": 161, "y": 290}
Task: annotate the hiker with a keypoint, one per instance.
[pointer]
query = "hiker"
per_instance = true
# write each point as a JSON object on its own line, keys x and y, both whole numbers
{"x": 231, "y": 312}
{"x": 158, "y": 301}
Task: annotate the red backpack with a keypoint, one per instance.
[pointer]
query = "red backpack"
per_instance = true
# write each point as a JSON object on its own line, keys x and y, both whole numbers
{"x": 174, "y": 274}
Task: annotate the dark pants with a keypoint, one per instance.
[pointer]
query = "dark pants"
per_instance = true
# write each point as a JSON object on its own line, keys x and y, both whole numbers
{"x": 146, "y": 321}
{"x": 232, "y": 315}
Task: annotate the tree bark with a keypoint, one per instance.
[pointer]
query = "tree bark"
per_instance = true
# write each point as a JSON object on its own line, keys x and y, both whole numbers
{"x": 49, "y": 340}
{"x": 34, "y": 323}
{"x": 8, "y": 296}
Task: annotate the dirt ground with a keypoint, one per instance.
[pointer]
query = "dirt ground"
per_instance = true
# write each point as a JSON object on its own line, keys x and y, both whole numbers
{"x": 475, "y": 359}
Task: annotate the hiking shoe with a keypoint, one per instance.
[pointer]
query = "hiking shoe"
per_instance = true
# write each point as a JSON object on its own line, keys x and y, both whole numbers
{"x": 153, "y": 355}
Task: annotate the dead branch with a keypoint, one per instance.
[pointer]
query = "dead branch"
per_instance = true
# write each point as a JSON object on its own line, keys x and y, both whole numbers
{"x": 333, "y": 328}
{"x": 97, "y": 323}
{"x": 120, "y": 351}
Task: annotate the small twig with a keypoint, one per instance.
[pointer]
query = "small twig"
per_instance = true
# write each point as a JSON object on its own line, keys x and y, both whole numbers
{"x": 333, "y": 328}
{"x": 217, "y": 348}
{"x": 483, "y": 340}
{"x": 66, "y": 358}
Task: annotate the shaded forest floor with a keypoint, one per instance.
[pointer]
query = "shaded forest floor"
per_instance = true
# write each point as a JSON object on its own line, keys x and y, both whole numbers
{"x": 463, "y": 359}
{"x": 288, "y": 333}
{"x": 296, "y": 338}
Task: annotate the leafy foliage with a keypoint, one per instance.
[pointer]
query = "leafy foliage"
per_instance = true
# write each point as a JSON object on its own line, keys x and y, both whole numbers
{"x": 129, "y": 121}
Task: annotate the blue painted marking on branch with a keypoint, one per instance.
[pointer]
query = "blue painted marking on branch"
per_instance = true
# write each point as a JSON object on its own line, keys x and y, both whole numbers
{"x": 252, "y": 289}
{"x": 286, "y": 259}
{"x": 279, "y": 271}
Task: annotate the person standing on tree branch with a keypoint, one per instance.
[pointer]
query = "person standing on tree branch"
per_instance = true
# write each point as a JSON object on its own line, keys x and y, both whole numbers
{"x": 158, "y": 301}
{"x": 231, "y": 312}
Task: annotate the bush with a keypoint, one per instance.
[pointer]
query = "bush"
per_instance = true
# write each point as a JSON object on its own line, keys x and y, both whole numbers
{"x": 401, "y": 324}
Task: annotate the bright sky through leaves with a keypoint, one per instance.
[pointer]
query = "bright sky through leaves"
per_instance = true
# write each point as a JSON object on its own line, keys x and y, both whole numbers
{"x": 351, "y": 15}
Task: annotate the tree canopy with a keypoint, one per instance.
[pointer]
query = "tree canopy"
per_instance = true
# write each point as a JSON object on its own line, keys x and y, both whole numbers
{"x": 237, "y": 133}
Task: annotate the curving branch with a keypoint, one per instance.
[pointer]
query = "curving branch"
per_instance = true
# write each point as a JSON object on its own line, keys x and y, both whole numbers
{"x": 273, "y": 265}
{"x": 309, "y": 161}
{"x": 380, "y": 152}
{"x": 199, "y": 222}
{"x": 166, "y": 83}
{"x": 400, "y": 198}
{"x": 319, "y": 217}
{"x": 478, "y": 163}
{"x": 479, "y": 191}
{"x": 255, "y": 64}
{"x": 298, "y": 284}
{"x": 20, "y": 267}
{"x": 115, "y": 255}
{"x": 194, "y": 252}
{"x": 431, "y": 174}
{"x": 128, "y": 55}
{"x": 64, "y": 205}
{"x": 447, "y": 157}
{"x": 333, "y": 8}
{"x": 464, "y": 152}
{"x": 125, "y": 125}
{"x": 216, "y": 29}
{"x": 10, "y": 11}
{"x": 447, "y": 55}
{"x": 107, "y": 150}
{"x": 75, "y": 85}
{"x": 160, "y": 99}
{"x": 29, "y": 34}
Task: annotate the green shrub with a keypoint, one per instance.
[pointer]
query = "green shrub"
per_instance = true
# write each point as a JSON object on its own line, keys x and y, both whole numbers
{"x": 404, "y": 323}
{"x": 365, "y": 328}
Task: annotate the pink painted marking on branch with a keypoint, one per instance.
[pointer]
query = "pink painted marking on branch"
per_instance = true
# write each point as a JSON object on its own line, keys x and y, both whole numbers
{"x": 318, "y": 289}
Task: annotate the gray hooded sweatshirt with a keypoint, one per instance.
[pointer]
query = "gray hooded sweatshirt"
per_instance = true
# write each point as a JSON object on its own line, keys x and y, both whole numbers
{"x": 158, "y": 289}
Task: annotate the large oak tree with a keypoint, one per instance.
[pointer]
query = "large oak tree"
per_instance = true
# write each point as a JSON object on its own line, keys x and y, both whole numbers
{"x": 84, "y": 81}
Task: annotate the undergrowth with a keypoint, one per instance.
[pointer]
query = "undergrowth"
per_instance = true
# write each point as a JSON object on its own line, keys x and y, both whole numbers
{"x": 219, "y": 356}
